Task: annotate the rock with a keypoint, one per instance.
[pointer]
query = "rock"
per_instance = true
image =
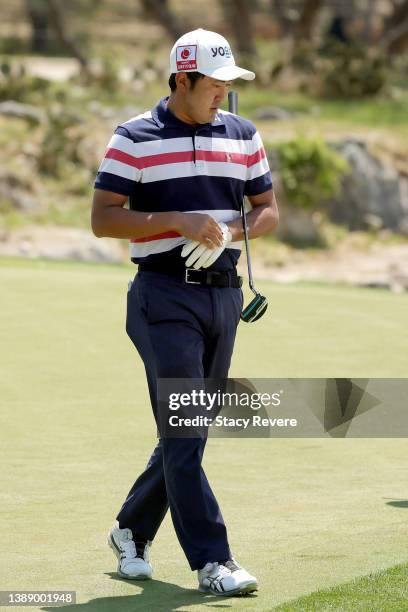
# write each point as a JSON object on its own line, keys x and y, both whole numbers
{"x": 23, "y": 201}
{"x": 30, "y": 113}
{"x": 114, "y": 115}
{"x": 381, "y": 266}
{"x": 272, "y": 113}
{"x": 374, "y": 222}
{"x": 61, "y": 243}
{"x": 51, "y": 68}
{"x": 297, "y": 226}
{"x": 20, "y": 190}
{"x": 373, "y": 195}
{"x": 127, "y": 112}
{"x": 149, "y": 75}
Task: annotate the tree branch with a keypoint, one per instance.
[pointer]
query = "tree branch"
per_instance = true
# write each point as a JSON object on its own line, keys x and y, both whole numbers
{"x": 396, "y": 40}
{"x": 304, "y": 26}
{"x": 58, "y": 22}
{"x": 239, "y": 14}
{"x": 399, "y": 15}
{"x": 160, "y": 11}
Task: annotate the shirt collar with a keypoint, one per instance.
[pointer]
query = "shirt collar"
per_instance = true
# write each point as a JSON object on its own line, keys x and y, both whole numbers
{"x": 166, "y": 119}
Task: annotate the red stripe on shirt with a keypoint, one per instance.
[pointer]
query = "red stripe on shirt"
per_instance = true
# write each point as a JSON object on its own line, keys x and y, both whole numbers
{"x": 161, "y": 159}
{"x": 222, "y": 156}
{"x": 210, "y": 156}
{"x": 166, "y": 158}
{"x": 156, "y": 237}
{"x": 256, "y": 157}
{"x": 123, "y": 157}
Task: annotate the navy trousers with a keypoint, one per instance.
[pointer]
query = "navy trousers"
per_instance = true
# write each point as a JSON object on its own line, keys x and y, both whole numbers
{"x": 180, "y": 331}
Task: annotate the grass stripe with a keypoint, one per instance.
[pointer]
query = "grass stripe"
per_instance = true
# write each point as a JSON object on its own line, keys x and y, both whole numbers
{"x": 381, "y": 591}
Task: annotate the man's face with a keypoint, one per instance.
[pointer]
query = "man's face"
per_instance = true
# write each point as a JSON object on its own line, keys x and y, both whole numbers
{"x": 202, "y": 102}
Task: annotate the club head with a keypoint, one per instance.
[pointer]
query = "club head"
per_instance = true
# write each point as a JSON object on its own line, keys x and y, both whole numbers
{"x": 255, "y": 309}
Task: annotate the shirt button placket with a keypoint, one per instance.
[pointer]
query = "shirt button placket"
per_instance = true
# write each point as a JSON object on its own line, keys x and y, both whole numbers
{"x": 199, "y": 162}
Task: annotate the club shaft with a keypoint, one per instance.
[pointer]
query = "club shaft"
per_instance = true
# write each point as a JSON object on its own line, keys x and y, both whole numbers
{"x": 244, "y": 223}
{"x": 233, "y": 102}
{"x": 233, "y": 108}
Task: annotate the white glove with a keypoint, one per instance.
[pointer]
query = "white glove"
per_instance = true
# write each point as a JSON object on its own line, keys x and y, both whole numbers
{"x": 200, "y": 255}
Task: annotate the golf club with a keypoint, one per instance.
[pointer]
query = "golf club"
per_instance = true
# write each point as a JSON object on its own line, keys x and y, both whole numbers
{"x": 257, "y": 307}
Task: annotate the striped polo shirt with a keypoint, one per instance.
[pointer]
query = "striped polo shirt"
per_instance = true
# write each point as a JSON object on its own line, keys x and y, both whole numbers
{"x": 164, "y": 164}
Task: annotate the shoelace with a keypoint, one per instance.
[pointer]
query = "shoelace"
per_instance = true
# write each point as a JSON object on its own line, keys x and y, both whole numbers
{"x": 220, "y": 569}
{"x": 229, "y": 564}
{"x": 128, "y": 548}
{"x": 218, "y": 572}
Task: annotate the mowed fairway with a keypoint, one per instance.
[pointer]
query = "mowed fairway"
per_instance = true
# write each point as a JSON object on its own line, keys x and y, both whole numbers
{"x": 76, "y": 429}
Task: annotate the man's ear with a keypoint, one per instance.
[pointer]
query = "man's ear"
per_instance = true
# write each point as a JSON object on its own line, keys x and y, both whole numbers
{"x": 181, "y": 81}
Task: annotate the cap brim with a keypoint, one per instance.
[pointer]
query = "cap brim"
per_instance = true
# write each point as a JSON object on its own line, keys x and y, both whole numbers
{"x": 229, "y": 73}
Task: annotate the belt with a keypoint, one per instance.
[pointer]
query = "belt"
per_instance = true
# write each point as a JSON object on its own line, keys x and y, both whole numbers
{"x": 197, "y": 277}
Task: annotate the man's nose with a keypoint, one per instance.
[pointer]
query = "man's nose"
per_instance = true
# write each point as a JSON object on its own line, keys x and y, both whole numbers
{"x": 221, "y": 96}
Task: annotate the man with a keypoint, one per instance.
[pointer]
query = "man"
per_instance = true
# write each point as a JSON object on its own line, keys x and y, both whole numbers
{"x": 185, "y": 167}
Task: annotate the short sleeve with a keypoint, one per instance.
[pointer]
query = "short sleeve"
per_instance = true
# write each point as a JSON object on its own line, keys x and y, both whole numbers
{"x": 258, "y": 178}
{"x": 120, "y": 169}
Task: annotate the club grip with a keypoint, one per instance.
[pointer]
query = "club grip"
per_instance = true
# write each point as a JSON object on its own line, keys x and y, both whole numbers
{"x": 233, "y": 102}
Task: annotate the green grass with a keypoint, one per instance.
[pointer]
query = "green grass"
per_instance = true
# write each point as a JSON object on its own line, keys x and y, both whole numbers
{"x": 76, "y": 429}
{"x": 378, "y": 112}
{"x": 382, "y": 114}
{"x": 387, "y": 590}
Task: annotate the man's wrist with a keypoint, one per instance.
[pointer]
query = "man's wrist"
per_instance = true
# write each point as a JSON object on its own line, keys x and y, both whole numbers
{"x": 227, "y": 234}
{"x": 236, "y": 231}
{"x": 176, "y": 222}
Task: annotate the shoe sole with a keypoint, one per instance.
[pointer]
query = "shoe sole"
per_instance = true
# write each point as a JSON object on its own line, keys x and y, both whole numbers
{"x": 116, "y": 551}
{"x": 243, "y": 590}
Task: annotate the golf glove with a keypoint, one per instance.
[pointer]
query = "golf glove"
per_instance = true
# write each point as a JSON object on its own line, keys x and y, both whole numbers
{"x": 200, "y": 255}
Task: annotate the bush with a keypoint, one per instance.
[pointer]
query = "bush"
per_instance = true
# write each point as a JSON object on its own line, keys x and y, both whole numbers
{"x": 310, "y": 171}
{"x": 350, "y": 71}
{"x": 16, "y": 84}
{"x": 60, "y": 141}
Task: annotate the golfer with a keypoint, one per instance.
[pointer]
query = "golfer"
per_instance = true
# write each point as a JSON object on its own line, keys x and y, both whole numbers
{"x": 184, "y": 167}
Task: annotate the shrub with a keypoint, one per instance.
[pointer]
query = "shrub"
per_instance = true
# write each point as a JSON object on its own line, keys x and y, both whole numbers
{"x": 16, "y": 84}
{"x": 310, "y": 171}
{"x": 351, "y": 71}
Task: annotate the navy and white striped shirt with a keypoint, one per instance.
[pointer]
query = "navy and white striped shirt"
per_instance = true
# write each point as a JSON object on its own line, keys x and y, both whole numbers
{"x": 164, "y": 164}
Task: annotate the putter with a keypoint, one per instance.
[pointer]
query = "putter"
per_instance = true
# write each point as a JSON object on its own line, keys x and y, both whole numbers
{"x": 257, "y": 307}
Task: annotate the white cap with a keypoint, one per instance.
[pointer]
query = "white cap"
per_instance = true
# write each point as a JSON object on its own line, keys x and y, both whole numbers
{"x": 208, "y": 53}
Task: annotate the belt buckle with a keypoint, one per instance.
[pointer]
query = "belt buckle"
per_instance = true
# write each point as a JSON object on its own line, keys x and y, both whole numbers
{"x": 187, "y": 280}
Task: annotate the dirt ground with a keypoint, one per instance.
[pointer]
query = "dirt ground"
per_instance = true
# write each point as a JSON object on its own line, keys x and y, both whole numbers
{"x": 381, "y": 265}
{"x": 378, "y": 266}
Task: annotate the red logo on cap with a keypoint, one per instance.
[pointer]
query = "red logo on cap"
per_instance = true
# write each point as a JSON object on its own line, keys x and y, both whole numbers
{"x": 186, "y": 57}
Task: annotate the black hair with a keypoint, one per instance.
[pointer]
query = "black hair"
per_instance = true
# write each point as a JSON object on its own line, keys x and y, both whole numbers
{"x": 192, "y": 77}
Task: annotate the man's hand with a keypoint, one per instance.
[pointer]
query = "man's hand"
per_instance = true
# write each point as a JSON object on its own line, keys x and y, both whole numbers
{"x": 201, "y": 228}
{"x": 111, "y": 219}
{"x": 202, "y": 256}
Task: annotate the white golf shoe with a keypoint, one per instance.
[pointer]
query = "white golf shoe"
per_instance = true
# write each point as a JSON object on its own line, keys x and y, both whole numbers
{"x": 133, "y": 557}
{"x": 226, "y": 578}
